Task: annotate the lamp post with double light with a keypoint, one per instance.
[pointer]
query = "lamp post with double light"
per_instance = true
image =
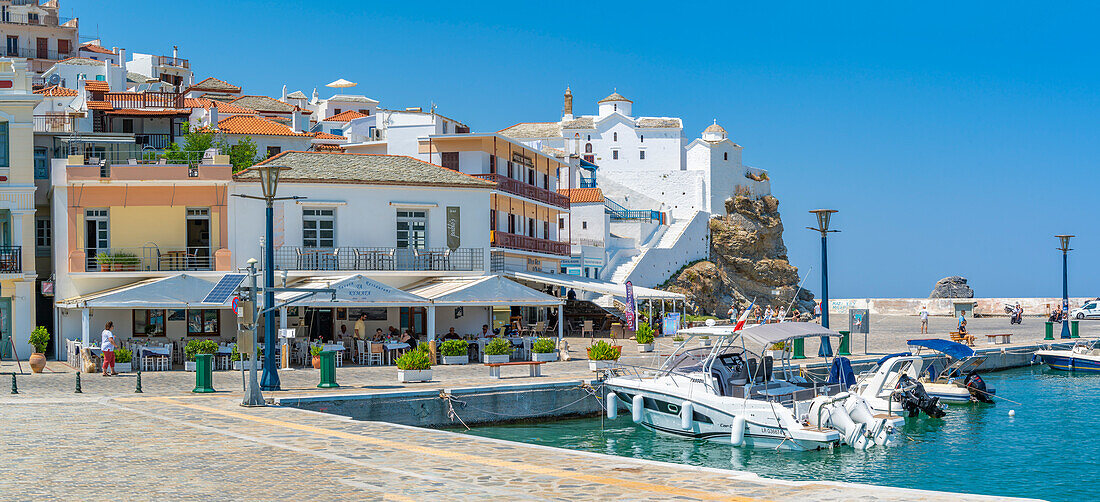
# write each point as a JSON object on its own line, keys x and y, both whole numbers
{"x": 823, "y": 216}
{"x": 1064, "y": 247}
{"x": 269, "y": 183}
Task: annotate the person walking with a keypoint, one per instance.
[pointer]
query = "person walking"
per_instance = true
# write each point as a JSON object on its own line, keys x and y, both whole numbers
{"x": 817, "y": 310}
{"x": 107, "y": 345}
{"x": 924, "y": 319}
{"x": 732, "y": 313}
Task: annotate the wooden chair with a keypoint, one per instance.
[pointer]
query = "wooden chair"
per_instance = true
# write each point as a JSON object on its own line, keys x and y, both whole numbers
{"x": 377, "y": 349}
{"x": 586, "y": 328}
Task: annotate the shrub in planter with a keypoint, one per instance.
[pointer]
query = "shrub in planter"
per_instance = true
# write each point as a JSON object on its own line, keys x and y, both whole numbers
{"x": 602, "y": 355}
{"x": 644, "y": 337}
{"x": 544, "y": 350}
{"x": 123, "y": 360}
{"x": 238, "y": 358}
{"x": 124, "y": 261}
{"x": 40, "y": 339}
{"x": 455, "y": 351}
{"x": 498, "y": 350}
{"x": 196, "y": 347}
{"x": 414, "y": 366}
{"x": 315, "y": 351}
{"x": 104, "y": 260}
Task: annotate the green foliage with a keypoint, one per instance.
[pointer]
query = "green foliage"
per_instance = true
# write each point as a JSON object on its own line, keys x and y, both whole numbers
{"x": 123, "y": 355}
{"x": 644, "y": 333}
{"x": 104, "y": 259}
{"x": 498, "y": 347}
{"x": 603, "y": 351}
{"x": 243, "y": 154}
{"x": 196, "y": 347}
{"x": 543, "y": 346}
{"x": 40, "y": 338}
{"x": 315, "y": 350}
{"x": 237, "y": 356}
{"x": 453, "y": 348}
{"x": 125, "y": 259}
{"x": 698, "y": 318}
{"x": 414, "y": 360}
{"x": 677, "y": 338}
{"x": 779, "y": 346}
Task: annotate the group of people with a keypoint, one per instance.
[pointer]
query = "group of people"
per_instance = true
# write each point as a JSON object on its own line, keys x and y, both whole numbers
{"x": 767, "y": 314}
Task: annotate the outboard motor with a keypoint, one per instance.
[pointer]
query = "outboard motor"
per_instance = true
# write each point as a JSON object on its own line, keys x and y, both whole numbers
{"x": 913, "y": 398}
{"x": 976, "y": 385}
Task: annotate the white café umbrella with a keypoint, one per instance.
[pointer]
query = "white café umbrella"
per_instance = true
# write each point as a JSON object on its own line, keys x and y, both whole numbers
{"x": 341, "y": 83}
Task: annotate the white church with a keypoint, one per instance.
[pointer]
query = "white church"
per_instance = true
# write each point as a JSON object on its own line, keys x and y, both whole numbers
{"x": 658, "y": 189}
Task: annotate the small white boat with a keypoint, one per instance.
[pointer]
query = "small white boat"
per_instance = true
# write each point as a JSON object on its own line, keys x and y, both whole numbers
{"x": 1083, "y": 357}
{"x": 728, "y": 393}
{"x": 904, "y": 381}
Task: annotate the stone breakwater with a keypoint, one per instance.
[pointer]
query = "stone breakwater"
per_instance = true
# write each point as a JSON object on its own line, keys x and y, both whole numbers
{"x": 946, "y": 306}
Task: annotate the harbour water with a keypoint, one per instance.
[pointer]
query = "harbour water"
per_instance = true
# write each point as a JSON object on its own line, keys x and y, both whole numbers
{"x": 1047, "y": 450}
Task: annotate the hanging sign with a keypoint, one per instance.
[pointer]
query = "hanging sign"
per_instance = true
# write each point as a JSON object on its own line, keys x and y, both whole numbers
{"x": 454, "y": 234}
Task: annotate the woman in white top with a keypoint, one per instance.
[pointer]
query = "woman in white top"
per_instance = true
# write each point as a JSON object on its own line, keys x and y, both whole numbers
{"x": 107, "y": 345}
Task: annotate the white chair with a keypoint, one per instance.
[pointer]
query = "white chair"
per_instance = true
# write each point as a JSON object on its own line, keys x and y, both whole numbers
{"x": 375, "y": 351}
{"x": 360, "y": 352}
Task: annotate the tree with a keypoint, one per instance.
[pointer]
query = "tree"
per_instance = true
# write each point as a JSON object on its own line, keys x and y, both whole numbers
{"x": 243, "y": 154}
{"x": 194, "y": 140}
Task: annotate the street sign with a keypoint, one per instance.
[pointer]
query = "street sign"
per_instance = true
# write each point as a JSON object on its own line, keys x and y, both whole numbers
{"x": 286, "y": 333}
{"x": 236, "y": 307}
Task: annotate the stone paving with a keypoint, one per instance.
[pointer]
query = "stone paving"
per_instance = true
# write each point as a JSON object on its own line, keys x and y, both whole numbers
{"x": 110, "y": 443}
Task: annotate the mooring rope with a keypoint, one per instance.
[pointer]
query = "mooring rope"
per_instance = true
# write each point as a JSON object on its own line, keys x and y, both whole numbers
{"x": 453, "y": 415}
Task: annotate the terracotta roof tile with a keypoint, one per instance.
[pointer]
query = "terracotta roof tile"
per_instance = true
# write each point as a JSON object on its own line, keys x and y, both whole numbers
{"x": 222, "y": 106}
{"x": 325, "y": 135}
{"x": 97, "y": 86}
{"x": 99, "y": 105}
{"x": 346, "y": 116}
{"x": 321, "y": 147}
{"x": 95, "y": 48}
{"x": 56, "y": 91}
{"x": 251, "y": 124}
{"x": 582, "y": 195}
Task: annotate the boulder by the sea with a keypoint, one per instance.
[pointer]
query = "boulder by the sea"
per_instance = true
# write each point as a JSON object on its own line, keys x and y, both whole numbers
{"x": 952, "y": 287}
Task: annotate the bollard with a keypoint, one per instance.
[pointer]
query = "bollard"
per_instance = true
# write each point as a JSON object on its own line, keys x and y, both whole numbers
{"x": 845, "y": 344}
{"x": 78, "y": 391}
{"x": 137, "y": 389}
{"x": 328, "y": 370}
{"x": 799, "y": 349}
{"x": 1050, "y": 331}
{"x": 1073, "y": 327}
{"x": 204, "y": 373}
{"x": 14, "y": 389}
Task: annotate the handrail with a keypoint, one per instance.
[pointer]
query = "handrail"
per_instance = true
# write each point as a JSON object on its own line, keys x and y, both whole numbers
{"x": 524, "y": 189}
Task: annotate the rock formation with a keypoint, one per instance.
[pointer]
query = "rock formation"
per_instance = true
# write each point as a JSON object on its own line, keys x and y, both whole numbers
{"x": 952, "y": 287}
{"x": 747, "y": 260}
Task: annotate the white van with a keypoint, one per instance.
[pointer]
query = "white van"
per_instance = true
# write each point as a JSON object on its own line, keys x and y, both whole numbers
{"x": 1091, "y": 310}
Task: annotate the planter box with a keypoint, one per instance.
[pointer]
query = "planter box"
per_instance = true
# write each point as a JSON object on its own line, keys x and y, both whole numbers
{"x": 645, "y": 347}
{"x": 124, "y": 367}
{"x": 601, "y": 365}
{"x": 463, "y": 359}
{"x": 503, "y": 358}
{"x": 238, "y": 365}
{"x": 189, "y": 366}
{"x": 544, "y": 357}
{"x": 408, "y": 376}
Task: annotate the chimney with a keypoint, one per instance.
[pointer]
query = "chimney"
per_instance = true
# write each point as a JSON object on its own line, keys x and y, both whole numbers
{"x": 122, "y": 58}
{"x": 283, "y": 99}
{"x": 568, "y": 105}
{"x": 213, "y": 114}
{"x": 175, "y": 51}
{"x": 297, "y": 120}
{"x": 107, "y": 71}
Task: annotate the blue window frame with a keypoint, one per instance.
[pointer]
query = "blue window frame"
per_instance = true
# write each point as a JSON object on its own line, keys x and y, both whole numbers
{"x": 338, "y": 132}
{"x": 41, "y": 164}
{"x": 4, "y": 144}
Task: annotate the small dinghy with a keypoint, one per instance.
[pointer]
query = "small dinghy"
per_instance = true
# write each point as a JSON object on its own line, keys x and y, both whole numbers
{"x": 1083, "y": 357}
{"x": 904, "y": 381}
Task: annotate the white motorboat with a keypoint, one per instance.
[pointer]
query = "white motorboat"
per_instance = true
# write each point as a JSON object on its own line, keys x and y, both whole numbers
{"x": 727, "y": 393}
{"x": 904, "y": 382}
{"x": 1083, "y": 357}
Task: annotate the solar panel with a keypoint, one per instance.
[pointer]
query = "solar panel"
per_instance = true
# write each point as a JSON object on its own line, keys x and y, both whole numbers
{"x": 224, "y": 288}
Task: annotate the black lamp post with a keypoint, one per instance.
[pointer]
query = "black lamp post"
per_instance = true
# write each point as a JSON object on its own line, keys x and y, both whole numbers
{"x": 1064, "y": 241}
{"x": 823, "y": 216}
{"x": 269, "y": 182}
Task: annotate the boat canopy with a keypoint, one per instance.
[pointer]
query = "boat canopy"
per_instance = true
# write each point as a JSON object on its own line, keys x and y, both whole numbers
{"x": 891, "y": 356}
{"x": 953, "y": 349}
{"x": 765, "y": 333}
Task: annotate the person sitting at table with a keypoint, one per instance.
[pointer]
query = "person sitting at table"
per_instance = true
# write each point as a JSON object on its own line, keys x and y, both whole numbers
{"x": 343, "y": 331}
{"x": 451, "y": 335}
{"x": 394, "y": 333}
{"x": 485, "y": 331}
{"x": 378, "y": 335}
{"x": 409, "y": 338}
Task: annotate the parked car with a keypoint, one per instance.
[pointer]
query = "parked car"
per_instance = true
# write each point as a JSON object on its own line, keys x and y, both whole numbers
{"x": 1091, "y": 310}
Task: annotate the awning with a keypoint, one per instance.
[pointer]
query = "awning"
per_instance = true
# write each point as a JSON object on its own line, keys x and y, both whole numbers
{"x": 492, "y": 290}
{"x": 765, "y": 333}
{"x": 351, "y": 291}
{"x": 953, "y": 349}
{"x": 179, "y": 291}
{"x": 595, "y": 286}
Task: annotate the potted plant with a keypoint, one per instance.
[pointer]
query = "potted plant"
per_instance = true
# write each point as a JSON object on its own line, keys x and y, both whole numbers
{"x": 778, "y": 350}
{"x": 677, "y": 338}
{"x": 124, "y": 261}
{"x": 602, "y": 356}
{"x": 455, "y": 351}
{"x": 104, "y": 261}
{"x": 196, "y": 347}
{"x": 124, "y": 360}
{"x": 543, "y": 350}
{"x": 644, "y": 337}
{"x": 414, "y": 366}
{"x": 498, "y": 350}
{"x": 239, "y": 359}
{"x": 40, "y": 339}
{"x": 704, "y": 341}
{"x": 315, "y": 351}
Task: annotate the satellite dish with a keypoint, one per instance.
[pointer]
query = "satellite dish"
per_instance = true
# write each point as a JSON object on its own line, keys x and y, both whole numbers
{"x": 54, "y": 79}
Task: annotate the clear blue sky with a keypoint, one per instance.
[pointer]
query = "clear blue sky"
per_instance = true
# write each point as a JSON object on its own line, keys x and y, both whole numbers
{"x": 954, "y": 138}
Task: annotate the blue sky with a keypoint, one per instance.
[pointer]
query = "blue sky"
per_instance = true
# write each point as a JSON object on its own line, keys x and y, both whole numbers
{"x": 954, "y": 138}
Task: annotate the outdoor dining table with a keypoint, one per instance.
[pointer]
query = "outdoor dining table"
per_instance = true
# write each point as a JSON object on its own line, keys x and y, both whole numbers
{"x": 338, "y": 348}
{"x": 143, "y": 351}
{"x": 392, "y": 348}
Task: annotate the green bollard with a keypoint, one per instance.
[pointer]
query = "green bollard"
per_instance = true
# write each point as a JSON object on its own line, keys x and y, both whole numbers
{"x": 1073, "y": 327}
{"x": 204, "y": 373}
{"x": 328, "y": 370}
{"x": 14, "y": 388}
{"x": 137, "y": 389}
{"x": 799, "y": 349}
{"x": 1050, "y": 331}
{"x": 845, "y": 343}
{"x": 78, "y": 391}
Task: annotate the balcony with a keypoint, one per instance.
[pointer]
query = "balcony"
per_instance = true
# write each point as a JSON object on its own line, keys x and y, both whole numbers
{"x": 524, "y": 243}
{"x": 33, "y": 19}
{"x": 140, "y": 100}
{"x": 11, "y": 259}
{"x": 148, "y": 259}
{"x": 155, "y": 141}
{"x": 516, "y": 187}
{"x": 148, "y": 164}
{"x": 172, "y": 61}
{"x": 380, "y": 259}
{"x": 54, "y": 123}
{"x": 35, "y": 53}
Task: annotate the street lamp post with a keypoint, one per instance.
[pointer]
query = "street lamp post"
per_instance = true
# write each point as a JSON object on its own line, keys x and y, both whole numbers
{"x": 269, "y": 182}
{"x": 1064, "y": 241}
{"x": 823, "y": 216}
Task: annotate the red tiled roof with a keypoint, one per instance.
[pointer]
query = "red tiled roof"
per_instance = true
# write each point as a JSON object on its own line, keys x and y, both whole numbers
{"x": 95, "y": 48}
{"x": 222, "y": 106}
{"x": 150, "y": 112}
{"x": 251, "y": 124}
{"x": 346, "y": 116}
{"x": 56, "y": 91}
{"x": 328, "y": 148}
{"x": 99, "y": 105}
{"x": 582, "y": 195}
{"x": 325, "y": 135}
{"x": 97, "y": 86}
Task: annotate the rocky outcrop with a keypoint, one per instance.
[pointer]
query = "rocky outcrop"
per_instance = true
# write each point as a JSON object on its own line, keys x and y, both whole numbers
{"x": 747, "y": 261}
{"x": 952, "y": 287}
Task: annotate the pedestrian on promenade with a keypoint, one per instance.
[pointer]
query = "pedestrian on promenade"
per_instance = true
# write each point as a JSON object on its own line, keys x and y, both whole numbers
{"x": 817, "y": 310}
{"x": 924, "y": 319}
{"x": 768, "y": 315}
{"x": 732, "y": 313}
{"x": 962, "y": 319}
{"x": 107, "y": 345}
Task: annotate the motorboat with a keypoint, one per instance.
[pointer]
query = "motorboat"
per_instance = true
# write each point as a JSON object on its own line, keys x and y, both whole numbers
{"x": 904, "y": 381}
{"x": 728, "y": 393}
{"x": 1083, "y": 357}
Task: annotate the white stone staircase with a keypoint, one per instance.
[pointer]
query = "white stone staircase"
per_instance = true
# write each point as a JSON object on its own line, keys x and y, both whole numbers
{"x": 665, "y": 239}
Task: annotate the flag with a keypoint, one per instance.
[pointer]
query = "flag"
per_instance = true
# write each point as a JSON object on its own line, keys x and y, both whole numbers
{"x": 744, "y": 317}
{"x": 631, "y": 309}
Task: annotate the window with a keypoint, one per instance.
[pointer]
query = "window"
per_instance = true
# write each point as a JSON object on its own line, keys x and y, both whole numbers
{"x": 412, "y": 230}
{"x": 589, "y": 138}
{"x": 546, "y": 181}
{"x": 511, "y": 223}
{"x": 337, "y": 112}
{"x": 492, "y": 164}
{"x": 148, "y": 322}
{"x": 588, "y": 148}
{"x": 530, "y": 227}
{"x": 449, "y": 160}
{"x": 615, "y": 106}
{"x": 641, "y": 154}
{"x": 338, "y": 132}
{"x": 492, "y": 219}
{"x": 725, "y": 156}
{"x": 13, "y": 45}
{"x": 444, "y": 128}
{"x": 615, "y": 154}
{"x": 32, "y": 18}
{"x": 203, "y": 322}
{"x": 128, "y": 125}
{"x": 4, "y": 144}
{"x": 641, "y": 138}
{"x": 319, "y": 228}
{"x": 546, "y": 230}
{"x": 615, "y": 136}
{"x": 63, "y": 47}
{"x": 511, "y": 172}
{"x": 584, "y": 225}
{"x": 273, "y": 151}
{"x": 43, "y": 235}
{"x": 561, "y": 223}
{"x": 364, "y": 112}
{"x": 41, "y": 164}
{"x": 530, "y": 177}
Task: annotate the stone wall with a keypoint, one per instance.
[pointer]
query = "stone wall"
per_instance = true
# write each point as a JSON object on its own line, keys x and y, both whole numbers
{"x": 946, "y": 306}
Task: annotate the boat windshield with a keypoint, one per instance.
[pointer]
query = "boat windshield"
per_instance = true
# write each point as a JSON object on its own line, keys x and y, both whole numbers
{"x": 688, "y": 361}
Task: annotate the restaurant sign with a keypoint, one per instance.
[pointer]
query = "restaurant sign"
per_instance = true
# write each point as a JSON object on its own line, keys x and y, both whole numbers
{"x": 454, "y": 234}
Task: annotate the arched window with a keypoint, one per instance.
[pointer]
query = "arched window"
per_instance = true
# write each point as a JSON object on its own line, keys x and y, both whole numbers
{"x": 614, "y": 136}
{"x": 588, "y": 148}
{"x": 725, "y": 156}
{"x": 589, "y": 138}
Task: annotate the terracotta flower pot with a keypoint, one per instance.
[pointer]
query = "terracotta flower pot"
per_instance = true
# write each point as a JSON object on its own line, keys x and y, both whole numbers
{"x": 316, "y": 362}
{"x": 38, "y": 362}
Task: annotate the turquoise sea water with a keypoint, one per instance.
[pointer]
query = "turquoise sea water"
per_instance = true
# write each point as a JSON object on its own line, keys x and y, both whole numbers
{"x": 1049, "y": 450}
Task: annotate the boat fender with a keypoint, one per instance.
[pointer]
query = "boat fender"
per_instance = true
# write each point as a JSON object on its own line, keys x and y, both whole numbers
{"x": 636, "y": 408}
{"x": 737, "y": 431}
{"x": 687, "y": 413}
{"x": 612, "y": 406}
